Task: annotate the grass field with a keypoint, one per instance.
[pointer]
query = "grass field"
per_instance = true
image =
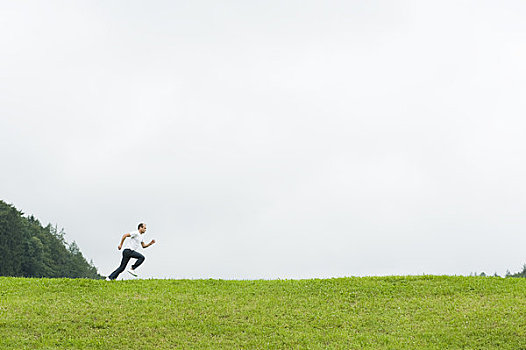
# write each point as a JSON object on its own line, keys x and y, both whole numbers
{"x": 424, "y": 312}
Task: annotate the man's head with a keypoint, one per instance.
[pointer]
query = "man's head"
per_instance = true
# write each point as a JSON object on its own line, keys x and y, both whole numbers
{"x": 142, "y": 227}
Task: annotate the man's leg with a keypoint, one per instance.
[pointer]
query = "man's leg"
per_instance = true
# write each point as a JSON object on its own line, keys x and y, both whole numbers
{"x": 125, "y": 258}
{"x": 140, "y": 259}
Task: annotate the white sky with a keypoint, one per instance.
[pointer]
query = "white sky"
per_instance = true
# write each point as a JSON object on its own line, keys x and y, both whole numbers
{"x": 276, "y": 139}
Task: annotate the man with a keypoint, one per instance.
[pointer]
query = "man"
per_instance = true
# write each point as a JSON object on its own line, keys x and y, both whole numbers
{"x": 131, "y": 251}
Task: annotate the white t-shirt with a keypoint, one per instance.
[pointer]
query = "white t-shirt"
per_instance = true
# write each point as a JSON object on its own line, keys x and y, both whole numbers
{"x": 134, "y": 241}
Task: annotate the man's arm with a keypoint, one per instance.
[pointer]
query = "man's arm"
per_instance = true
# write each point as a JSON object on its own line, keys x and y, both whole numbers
{"x": 126, "y": 235}
{"x": 147, "y": 245}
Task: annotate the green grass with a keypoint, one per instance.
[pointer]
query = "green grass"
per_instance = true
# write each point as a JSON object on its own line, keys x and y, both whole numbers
{"x": 421, "y": 312}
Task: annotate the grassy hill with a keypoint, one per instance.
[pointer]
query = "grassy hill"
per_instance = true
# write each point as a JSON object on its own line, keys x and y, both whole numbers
{"x": 424, "y": 312}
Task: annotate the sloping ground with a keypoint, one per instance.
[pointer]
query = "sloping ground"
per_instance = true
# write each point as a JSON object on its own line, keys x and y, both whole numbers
{"x": 424, "y": 312}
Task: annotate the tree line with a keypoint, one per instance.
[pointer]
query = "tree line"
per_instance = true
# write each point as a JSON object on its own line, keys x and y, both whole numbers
{"x": 520, "y": 274}
{"x": 28, "y": 249}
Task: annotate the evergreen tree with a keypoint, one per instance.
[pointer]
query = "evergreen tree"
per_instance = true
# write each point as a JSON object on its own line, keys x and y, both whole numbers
{"x": 12, "y": 239}
{"x": 28, "y": 249}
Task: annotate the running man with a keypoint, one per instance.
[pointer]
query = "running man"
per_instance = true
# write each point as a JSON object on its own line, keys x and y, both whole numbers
{"x": 131, "y": 251}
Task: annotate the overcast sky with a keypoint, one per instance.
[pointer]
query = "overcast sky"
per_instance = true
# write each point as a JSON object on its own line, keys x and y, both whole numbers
{"x": 271, "y": 139}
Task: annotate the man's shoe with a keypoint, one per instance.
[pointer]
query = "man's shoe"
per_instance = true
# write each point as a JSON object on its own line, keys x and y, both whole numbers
{"x": 132, "y": 272}
{"x": 108, "y": 279}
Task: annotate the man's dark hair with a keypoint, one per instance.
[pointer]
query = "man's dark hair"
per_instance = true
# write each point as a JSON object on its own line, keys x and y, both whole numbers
{"x": 140, "y": 226}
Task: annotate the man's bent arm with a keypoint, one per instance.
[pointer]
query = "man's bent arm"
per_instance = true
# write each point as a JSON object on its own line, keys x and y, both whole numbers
{"x": 122, "y": 240}
{"x": 147, "y": 245}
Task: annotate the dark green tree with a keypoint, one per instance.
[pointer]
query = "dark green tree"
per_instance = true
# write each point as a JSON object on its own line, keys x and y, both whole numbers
{"x": 30, "y": 250}
{"x": 12, "y": 238}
